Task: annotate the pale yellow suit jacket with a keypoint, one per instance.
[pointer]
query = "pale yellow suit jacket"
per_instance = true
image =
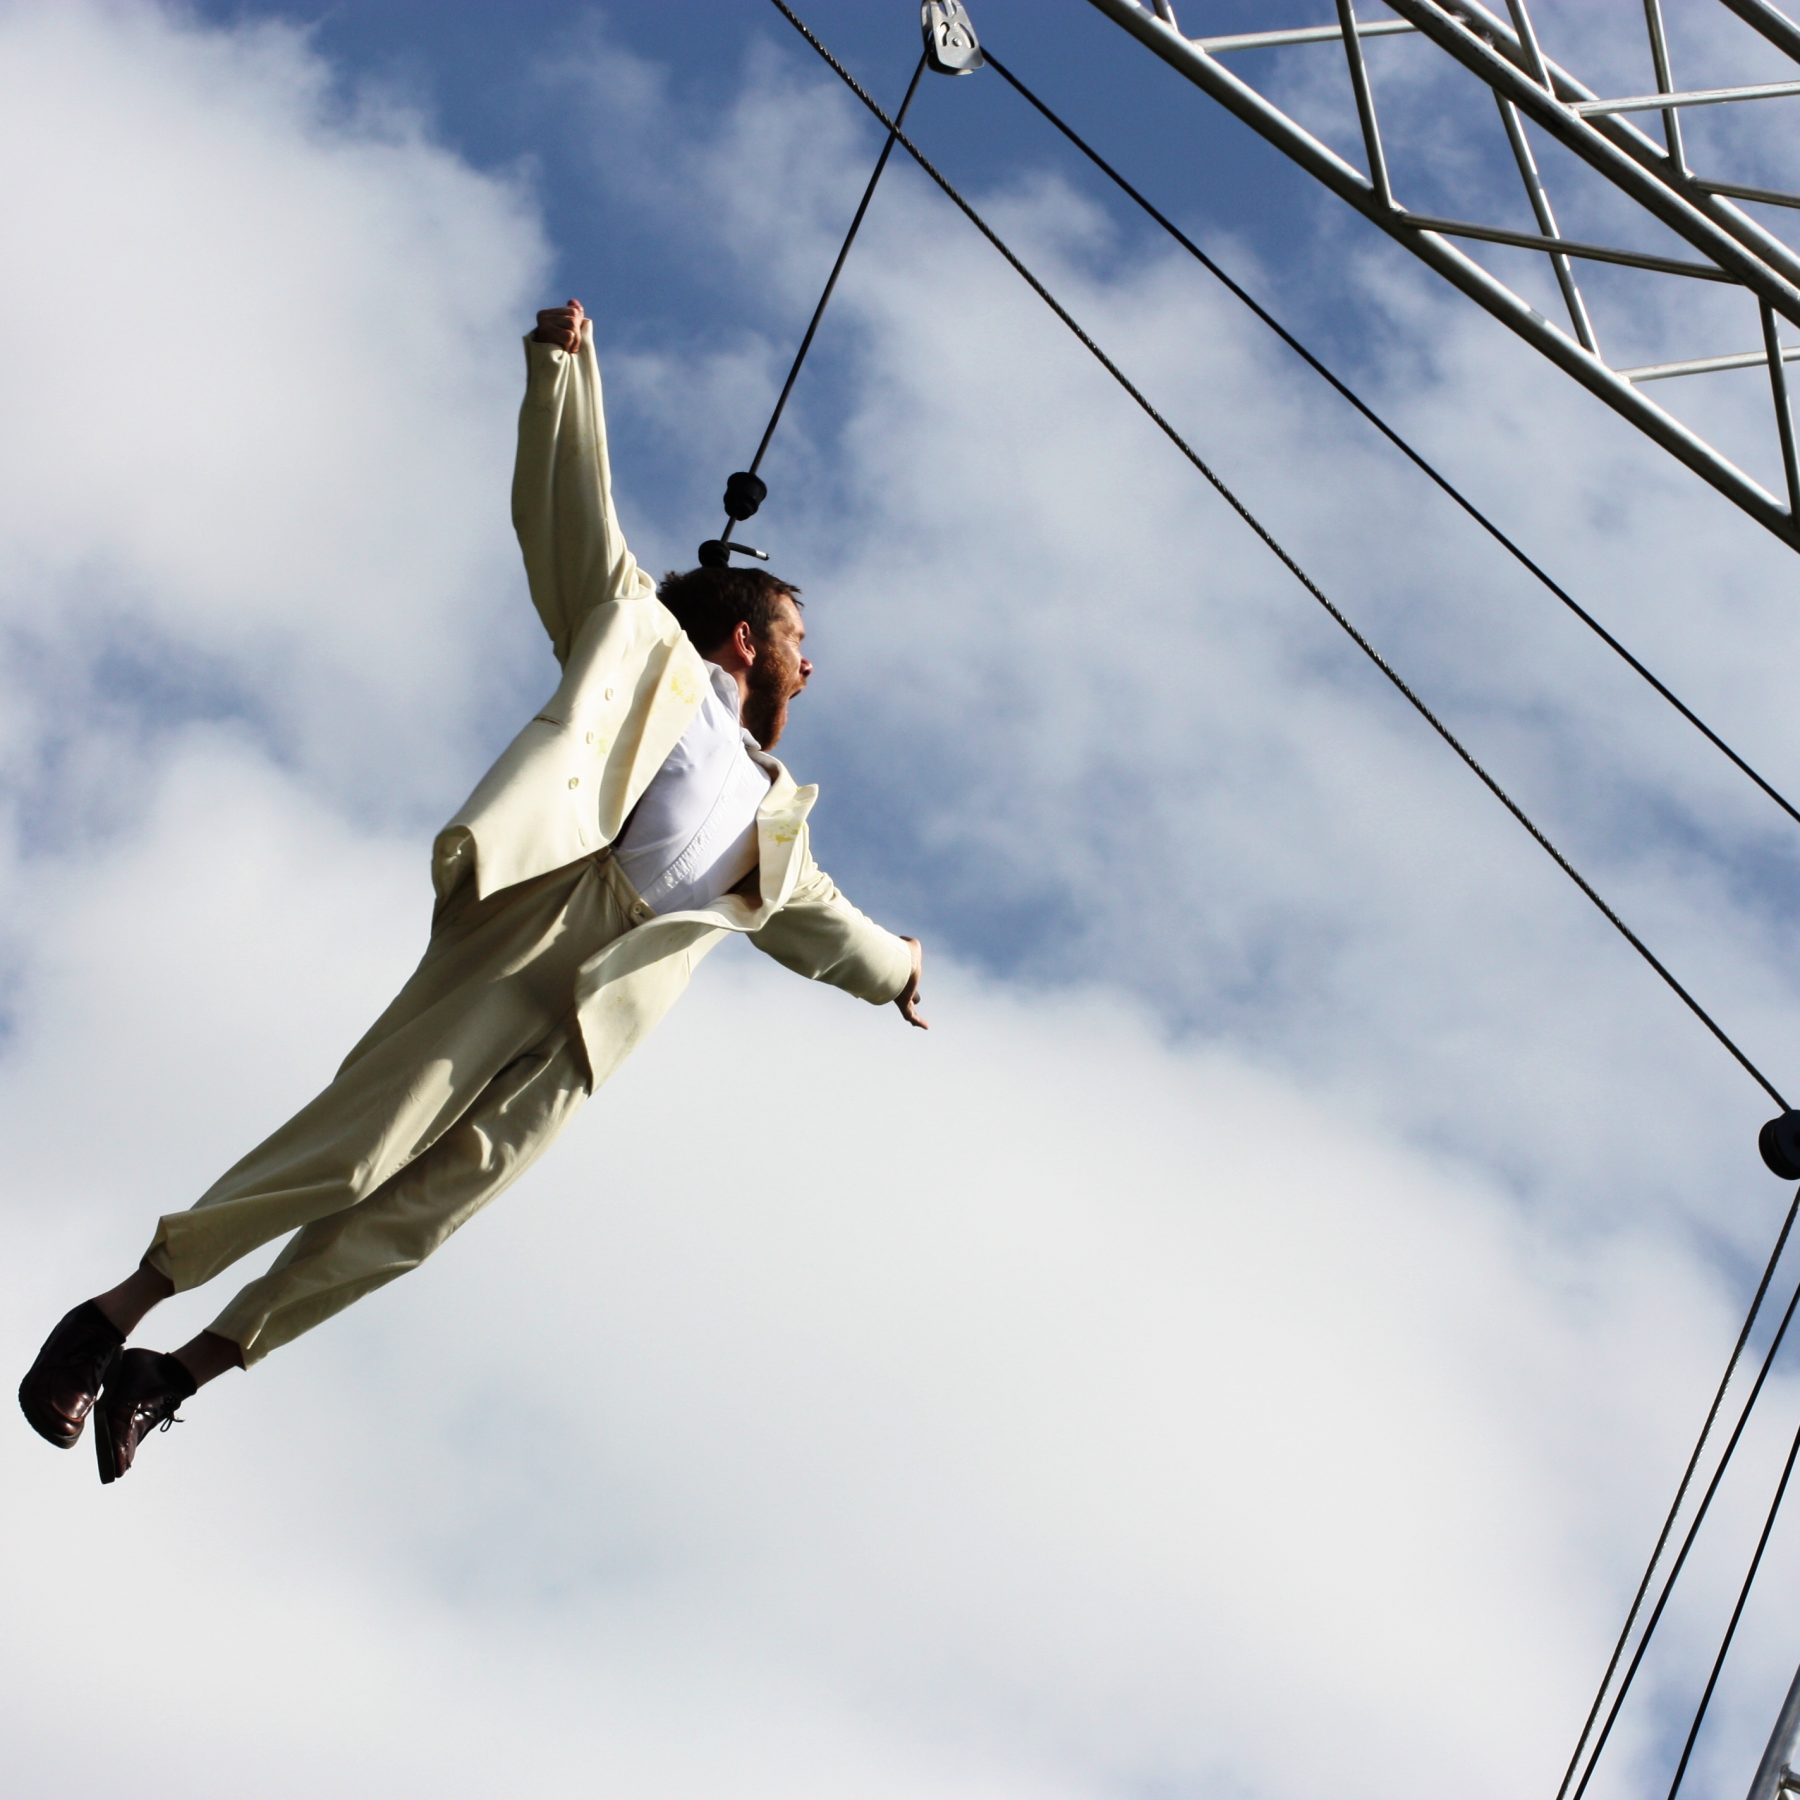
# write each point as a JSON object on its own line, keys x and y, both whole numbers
{"x": 631, "y": 682}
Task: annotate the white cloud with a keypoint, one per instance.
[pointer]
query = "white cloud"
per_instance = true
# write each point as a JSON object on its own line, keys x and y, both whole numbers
{"x": 259, "y": 375}
{"x": 1283, "y": 1285}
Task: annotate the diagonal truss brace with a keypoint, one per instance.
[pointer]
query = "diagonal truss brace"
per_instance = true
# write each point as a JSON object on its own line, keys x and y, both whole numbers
{"x": 1725, "y": 244}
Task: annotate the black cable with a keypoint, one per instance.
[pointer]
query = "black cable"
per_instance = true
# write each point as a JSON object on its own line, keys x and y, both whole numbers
{"x": 1534, "y": 568}
{"x": 1693, "y": 1530}
{"x": 1415, "y": 457}
{"x": 1737, "y": 1612}
{"x": 831, "y": 281}
{"x": 1275, "y": 548}
{"x": 895, "y": 134}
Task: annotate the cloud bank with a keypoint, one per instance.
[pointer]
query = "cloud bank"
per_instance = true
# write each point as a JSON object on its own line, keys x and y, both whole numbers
{"x": 1283, "y": 1286}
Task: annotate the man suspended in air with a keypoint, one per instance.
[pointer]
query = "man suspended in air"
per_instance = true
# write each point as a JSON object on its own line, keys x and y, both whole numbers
{"x": 629, "y": 827}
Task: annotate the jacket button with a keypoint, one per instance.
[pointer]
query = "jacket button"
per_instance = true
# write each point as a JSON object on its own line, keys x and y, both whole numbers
{"x": 574, "y": 781}
{"x": 609, "y": 694}
{"x": 590, "y": 737}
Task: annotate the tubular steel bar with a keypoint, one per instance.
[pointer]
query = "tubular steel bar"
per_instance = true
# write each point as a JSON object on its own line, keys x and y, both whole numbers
{"x": 1775, "y": 1773}
{"x": 1775, "y": 25}
{"x": 1546, "y": 218}
{"x": 1784, "y": 417}
{"x": 1738, "y": 245}
{"x": 1772, "y": 90}
{"x": 1211, "y": 76}
{"x": 1708, "y": 365}
{"x": 1562, "y": 246}
{"x": 1365, "y": 103}
{"x": 1619, "y": 131}
{"x": 1535, "y": 66}
{"x": 1737, "y": 191}
{"x": 1306, "y": 34}
{"x": 1665, "y": 81}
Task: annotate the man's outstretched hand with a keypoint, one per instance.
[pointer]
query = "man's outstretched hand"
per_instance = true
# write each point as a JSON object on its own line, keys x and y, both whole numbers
{"x": 908, "y": 998}
{"x": 561, "y": 326}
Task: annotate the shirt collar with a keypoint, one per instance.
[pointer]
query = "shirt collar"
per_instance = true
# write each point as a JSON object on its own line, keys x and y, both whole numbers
{"x": 727, "y": 691}
{"x": 725, "y": 688}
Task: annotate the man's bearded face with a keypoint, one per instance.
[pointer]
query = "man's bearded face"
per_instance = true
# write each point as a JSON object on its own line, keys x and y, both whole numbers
{"x": 777, "y": 675}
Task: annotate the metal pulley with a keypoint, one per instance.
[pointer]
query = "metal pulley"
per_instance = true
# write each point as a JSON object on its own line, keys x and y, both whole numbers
{"x": 744, "y": 493}
{"x": 951, "y": 49}
{"x": 950, "y": 43}
{"x": 715, "y": 553}
{"x": 1779, "y": 1142}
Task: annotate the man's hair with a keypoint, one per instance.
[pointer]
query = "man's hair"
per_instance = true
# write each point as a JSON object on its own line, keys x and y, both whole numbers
{"x": 709, "y": 604}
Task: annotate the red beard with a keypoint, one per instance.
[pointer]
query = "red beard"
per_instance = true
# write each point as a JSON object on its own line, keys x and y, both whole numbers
{"x": 766, "y": 703}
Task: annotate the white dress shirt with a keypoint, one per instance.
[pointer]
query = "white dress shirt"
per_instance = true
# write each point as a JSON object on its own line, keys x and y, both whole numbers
{"x": 692, "y": 836}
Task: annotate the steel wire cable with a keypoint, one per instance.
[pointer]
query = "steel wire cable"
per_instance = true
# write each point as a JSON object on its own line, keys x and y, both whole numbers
{"x": 1269, "y": 541}
{"x": 896, "y": 134}
{"x": 1533, "y": 567}
{"x": 1693, "y": 1530}
{"x": 831, "y": 281}
{"x": 1406, "y": 449}
{"x": 1737, "y": 1613}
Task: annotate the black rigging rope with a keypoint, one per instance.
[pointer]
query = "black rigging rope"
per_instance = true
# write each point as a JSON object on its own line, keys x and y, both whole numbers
{"x": 1737, "y": 1612}
{"x": 1533, "y": 567}
{"x": 1693, "y": 1530}
{"x": 1416, "y": 457}
{"x": 831, "y": 281}
{"x": 897, "y": 135}
{"x": 1276, "y": 549}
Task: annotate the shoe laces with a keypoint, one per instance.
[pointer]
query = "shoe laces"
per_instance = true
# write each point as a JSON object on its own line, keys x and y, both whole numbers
{"x": 153, "y": 1418}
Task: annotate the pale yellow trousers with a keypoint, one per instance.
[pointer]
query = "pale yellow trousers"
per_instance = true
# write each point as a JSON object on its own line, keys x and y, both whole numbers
{"x": 452, "y": 1094}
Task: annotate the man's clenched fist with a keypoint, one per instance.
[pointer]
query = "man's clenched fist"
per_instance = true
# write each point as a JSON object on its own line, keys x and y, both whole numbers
{"x": 561, "y": 326}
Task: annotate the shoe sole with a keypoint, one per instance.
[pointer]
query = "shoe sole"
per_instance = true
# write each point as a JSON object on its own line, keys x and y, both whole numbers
{"x": 105, "y": 1448}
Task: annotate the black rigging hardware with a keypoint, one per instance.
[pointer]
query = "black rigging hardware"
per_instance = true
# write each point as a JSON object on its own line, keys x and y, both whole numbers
{"x": 745, "y": 490}
{"x": 1780, "y": 1138}
{"x": 1270, "y": 542}
{"x": 951, "y": 46}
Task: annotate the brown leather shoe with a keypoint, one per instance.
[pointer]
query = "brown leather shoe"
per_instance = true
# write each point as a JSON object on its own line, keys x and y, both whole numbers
{"x": 59, "y": 1388}
{"x": 141, "y": 1393}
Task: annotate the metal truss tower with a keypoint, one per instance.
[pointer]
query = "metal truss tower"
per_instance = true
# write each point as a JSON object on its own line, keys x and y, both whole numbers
{"x": 1646, "y": 177}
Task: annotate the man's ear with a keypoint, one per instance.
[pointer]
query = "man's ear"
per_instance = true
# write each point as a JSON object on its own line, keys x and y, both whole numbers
{"x": 744, "y": 639}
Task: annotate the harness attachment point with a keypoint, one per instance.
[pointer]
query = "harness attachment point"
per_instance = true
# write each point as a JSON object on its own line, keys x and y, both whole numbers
{"x": 1779, "y": 1142}
{"x": 715, "y": 553}
{"x": 744, "y": 493}
{"x": 951, "y": 46}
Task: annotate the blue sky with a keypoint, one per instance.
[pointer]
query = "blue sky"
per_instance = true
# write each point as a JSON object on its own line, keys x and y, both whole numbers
{"x": 1287, "y": 1279}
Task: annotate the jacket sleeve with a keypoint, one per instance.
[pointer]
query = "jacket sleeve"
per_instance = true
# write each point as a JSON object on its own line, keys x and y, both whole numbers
{"x": 562, "y": 505}
{"x": 820, "y": 935}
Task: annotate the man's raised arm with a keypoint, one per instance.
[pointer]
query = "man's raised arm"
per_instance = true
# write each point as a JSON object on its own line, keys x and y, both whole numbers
{"x": 575, "y": 554}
